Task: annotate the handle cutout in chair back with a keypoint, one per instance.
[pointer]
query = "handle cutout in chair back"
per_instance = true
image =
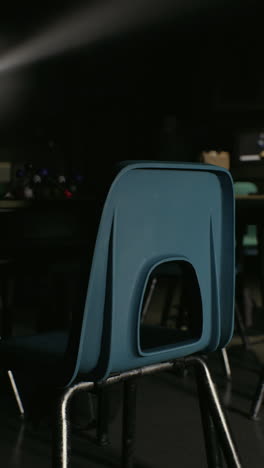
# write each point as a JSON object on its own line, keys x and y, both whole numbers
{"x": 172, "y": 306}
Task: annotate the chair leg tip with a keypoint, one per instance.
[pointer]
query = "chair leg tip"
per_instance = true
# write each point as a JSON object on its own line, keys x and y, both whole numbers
{"x": 103, "y": 441}
{"x": 254, "y": 417}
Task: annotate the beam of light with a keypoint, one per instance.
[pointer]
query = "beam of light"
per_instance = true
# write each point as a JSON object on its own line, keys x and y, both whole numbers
{"x": 89, "y": 25}
{"x": 14, "y": 90}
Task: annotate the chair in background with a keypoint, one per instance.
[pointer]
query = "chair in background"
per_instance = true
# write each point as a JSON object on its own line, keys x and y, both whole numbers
{"x": 243, "y": 305}
{"x": 258, "y": 397}
{"x": 6, "y": 290}
{"x": 246, "y": 244}
{"x": 155, "y": 213}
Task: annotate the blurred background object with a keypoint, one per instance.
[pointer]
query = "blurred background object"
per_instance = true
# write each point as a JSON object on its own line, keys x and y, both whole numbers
{"x": 219, "y": 158}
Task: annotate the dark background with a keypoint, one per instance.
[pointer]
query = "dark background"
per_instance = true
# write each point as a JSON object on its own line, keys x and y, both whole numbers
{"x": 191, "y": 80}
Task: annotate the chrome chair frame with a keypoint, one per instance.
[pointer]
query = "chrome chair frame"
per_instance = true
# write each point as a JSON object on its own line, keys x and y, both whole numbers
{"x": 215, "y": 423}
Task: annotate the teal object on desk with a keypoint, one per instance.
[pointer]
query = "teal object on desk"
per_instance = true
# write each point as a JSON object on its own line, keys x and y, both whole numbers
{"x": 245, "y": 188}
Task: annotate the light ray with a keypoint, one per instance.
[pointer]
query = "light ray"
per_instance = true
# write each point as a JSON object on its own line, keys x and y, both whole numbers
{"x": 89, "y": 25}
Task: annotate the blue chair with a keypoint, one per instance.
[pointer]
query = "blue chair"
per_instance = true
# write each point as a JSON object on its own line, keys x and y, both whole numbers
{"x": 155, "y": 213}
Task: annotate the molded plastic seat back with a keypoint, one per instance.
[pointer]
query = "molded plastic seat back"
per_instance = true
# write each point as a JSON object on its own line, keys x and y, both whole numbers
{"x": 157, "y": 213}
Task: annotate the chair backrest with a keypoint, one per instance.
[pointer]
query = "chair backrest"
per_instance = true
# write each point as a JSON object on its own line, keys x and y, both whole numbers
{"x": 157, "y": 212}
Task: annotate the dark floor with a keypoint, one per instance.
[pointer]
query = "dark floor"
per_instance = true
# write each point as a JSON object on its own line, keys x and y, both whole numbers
{"x": 169, "y": 431}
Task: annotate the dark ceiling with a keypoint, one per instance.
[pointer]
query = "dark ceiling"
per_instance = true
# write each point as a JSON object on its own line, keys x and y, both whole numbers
{"x": 201, "y": 60}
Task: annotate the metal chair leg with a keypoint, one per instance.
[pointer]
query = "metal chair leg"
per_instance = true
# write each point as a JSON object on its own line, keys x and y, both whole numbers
{"x": 213, "y": 452}
{"x": 168, "y": 302}
{"x": 61, "y": 426}
{"x": 216, "y": 412}
{"x": 258, "y": 398}
{"x": 129, "y": 423}
{"x": 241, "y": 328}
{"x": 226, "y": 363}
{"x": 149, "y": 297}
{"x": 16, "y": 393}
{"x": 102, "y": 417}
